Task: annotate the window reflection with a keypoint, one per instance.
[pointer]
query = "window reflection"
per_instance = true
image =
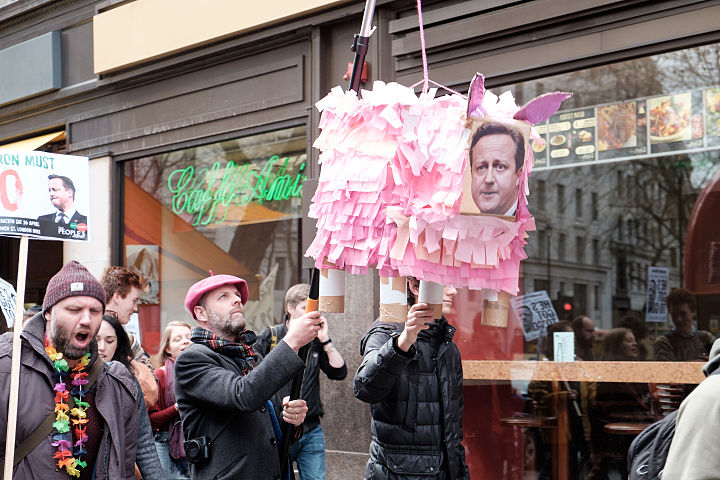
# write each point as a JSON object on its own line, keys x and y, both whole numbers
{"x": 233, "y": 207}
{"x": 620, "y": 224}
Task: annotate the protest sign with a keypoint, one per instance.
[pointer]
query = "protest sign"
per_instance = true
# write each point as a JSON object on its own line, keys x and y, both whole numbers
{"x": 536, "y": 313}
{"x": 657, "y": 290}
{"x": 44, "y": 195}
{"x": 8, "y": 297}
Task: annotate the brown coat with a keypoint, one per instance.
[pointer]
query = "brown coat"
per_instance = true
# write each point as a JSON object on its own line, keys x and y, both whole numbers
{"x": 115, "y": 400}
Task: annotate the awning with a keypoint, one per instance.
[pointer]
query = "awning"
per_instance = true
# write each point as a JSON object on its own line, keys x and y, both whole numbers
{"x": 35, "y": 142}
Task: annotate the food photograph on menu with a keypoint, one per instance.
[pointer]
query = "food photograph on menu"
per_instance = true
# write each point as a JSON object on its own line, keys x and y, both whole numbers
{"x": 496, "y": 158}
{"x": 571, "y": 137}
{"x": 712, "y": 112}
{"x": 540, "y": 149}
{"x": 675, "y": 122}
{"x": 622, "y": 129}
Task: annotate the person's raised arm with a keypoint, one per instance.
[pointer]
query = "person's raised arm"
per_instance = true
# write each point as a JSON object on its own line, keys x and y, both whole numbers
{"x": 332, "y": 363}
{"x": 419, "y": 314}
{"x": 201, "y": 378}
{"x": 386, "y": 356}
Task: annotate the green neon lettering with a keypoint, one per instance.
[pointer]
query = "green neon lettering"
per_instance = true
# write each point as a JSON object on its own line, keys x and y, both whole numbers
{"x": 208, "y": 193}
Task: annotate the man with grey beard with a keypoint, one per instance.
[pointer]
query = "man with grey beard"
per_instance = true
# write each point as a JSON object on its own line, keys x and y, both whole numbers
{"x": 223, "y": 387}
{"x": 75, "y": 413}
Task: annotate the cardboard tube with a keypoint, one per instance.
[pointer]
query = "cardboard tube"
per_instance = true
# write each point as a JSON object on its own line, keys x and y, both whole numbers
{"x": 495, "y": 308}
{"x": 393, "y": 299}
{"x": 332, "y": 290}
{"x": 432, "y": 293}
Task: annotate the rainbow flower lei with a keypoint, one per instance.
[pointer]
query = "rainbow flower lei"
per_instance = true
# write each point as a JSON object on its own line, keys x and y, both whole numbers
{"x": 67, "y": 458}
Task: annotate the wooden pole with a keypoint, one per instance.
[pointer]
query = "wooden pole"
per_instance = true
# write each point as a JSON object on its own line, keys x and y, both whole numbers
{"x": 15, "y": 367}
{"x": 288, "y": 430}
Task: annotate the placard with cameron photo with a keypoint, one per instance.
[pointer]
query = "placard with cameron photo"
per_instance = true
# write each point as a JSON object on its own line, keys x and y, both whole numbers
{"x": 495, "y": 162}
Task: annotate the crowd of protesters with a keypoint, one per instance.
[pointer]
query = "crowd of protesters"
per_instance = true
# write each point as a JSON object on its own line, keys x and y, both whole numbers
{"x": 216, "y": 403}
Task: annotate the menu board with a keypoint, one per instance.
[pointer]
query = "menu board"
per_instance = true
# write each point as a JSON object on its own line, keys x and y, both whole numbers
{"x": 571, "y": 137}
{"x": 644, "y": 127}
{"x": 712, "y": 116}
{"x": 675, "y": 122}
{"x": 622, "y": 129}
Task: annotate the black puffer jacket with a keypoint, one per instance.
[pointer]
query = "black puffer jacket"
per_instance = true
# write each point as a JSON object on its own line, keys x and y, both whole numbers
{"x": 416, "y": 404}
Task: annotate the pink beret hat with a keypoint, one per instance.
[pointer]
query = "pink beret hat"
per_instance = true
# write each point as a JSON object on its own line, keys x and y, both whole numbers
{"x": 211, "y": 283}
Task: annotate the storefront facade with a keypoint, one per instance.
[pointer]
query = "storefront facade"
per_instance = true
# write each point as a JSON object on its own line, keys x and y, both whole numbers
{"x": 200, "y": 144}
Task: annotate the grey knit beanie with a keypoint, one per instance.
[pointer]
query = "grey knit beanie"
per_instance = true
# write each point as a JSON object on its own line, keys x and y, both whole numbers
{"x": 72, "y": 280}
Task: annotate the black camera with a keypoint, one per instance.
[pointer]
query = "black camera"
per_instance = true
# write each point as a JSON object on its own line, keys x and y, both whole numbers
{"x": 196, "y": 449}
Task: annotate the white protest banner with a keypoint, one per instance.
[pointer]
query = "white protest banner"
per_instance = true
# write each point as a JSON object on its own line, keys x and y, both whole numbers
{"x": 657, "y": 290}
{"x": 44, "y": 195}
{"x": 536, "y": 313}
{"x": 8, "y": 297}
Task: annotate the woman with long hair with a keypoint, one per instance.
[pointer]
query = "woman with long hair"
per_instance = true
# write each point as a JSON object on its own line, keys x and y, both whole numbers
{"x": 114, "y": 346}
{"x": 114, "y": 343}
{"x": 164, "y": 415}
{"x": 620, "y": 344}
{"x": 617, "y": 402}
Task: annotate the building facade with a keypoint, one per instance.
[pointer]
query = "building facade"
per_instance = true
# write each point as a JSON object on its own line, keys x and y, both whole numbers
{"x": 199, "y": 122}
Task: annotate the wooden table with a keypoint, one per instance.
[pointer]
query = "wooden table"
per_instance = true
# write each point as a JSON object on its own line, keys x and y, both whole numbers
{"x": 626, "y": 428}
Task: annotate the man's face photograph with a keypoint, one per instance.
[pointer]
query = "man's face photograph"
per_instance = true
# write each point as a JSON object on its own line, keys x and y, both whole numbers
{"x": 494, "y": 179}
{"x": 493, "y": 174}
{"x": 60, "y": 196}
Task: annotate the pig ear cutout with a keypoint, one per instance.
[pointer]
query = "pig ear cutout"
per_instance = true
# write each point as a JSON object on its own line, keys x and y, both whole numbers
{"x": 541, "y": 108}
{"x": 475, "y": 96}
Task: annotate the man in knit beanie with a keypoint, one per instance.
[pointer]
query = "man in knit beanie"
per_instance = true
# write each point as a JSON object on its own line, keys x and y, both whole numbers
{"x": 73, "y": 307}
{"x": 59, "y": 360}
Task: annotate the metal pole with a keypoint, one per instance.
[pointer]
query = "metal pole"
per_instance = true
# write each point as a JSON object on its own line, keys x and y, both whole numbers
{"x": 360, "y": 45}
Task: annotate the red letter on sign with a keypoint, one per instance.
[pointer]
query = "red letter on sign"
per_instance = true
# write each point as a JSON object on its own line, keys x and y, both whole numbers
{"x": 4, "y": 198}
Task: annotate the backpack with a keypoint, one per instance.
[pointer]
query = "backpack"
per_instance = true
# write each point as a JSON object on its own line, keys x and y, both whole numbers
{"x": 649, "y": 451}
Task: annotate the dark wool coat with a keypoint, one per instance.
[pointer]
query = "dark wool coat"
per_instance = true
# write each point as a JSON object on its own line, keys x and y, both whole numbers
{"x": 116, "y": 400}
{"x": 416, "y": 404}
{"x": 212, "y": 393}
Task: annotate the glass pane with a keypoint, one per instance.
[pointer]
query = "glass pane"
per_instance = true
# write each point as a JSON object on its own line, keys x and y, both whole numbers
{"x": 232, "y": 207}
{"x": 625, "y": 195}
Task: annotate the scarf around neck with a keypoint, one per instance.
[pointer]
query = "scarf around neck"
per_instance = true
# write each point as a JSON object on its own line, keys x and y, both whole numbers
{"x": 241, "y": 350}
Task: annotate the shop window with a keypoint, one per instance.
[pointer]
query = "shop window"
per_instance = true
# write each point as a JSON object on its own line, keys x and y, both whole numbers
{"x": 596, "y": 298}
{"x": 542, "y": 244}
{"x": 578, "y": 203}
{"x": 541, "y": 195}
{"x": 595, "y": 206}
{"x": 541, "y": 284}
{"x": 232, "y": 207}
{"x": 643, "y": 151}
{"x": 560, "y": 198}
{"x": 596, "y": 251}
{"x": 580, "y": 249}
